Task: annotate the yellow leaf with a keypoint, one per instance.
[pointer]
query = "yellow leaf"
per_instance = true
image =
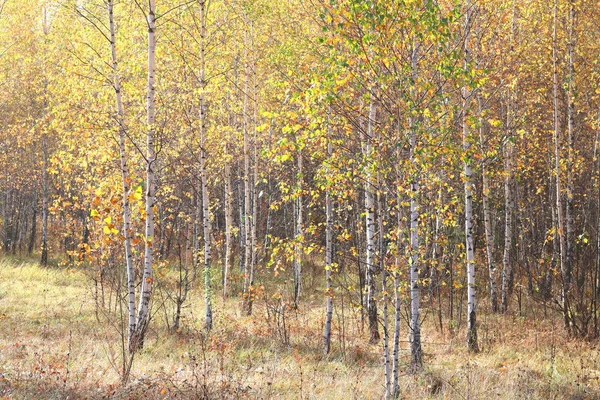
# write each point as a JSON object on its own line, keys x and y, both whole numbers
{"x": 138, "y": 193}
{"x": 494, "y": 122}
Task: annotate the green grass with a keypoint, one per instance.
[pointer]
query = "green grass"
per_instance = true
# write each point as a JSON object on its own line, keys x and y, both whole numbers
{"x": 54, "y": 344}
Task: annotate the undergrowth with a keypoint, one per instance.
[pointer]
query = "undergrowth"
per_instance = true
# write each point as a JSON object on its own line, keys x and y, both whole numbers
{"x": 55, "y": 345}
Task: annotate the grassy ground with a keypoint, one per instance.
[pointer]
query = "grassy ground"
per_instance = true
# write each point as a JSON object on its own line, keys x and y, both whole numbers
{"x": 52, "y": 346}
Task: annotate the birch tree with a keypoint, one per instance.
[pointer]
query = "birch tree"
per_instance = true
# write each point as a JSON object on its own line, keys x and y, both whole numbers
{"x": 247, "y": 213}
{"x": 206, "y": 226}
{"x": 560, "y": 215}
{"x": 143, "y": 311}
{"x": 328, "y": 257}
{"x": 228, "y": 225}
{"x": 299, "y": 234}
{"x": 511, "y": 112}
{"x": 370, "y": 226}
{"x": 468, "y": 187}
{"x": 570, "y": 89}
{"x": 125, "y": 178}
{"x": 416, "y": 355}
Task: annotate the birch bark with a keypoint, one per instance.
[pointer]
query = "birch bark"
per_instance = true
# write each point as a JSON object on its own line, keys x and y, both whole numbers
{"x": 248, "y": 273}
{"x": 471, "y": 293}
{"x": 370, "y": 230}
{"x": 228, "y": 223}
{"x": 570, "y": 146}
{"x": 560, "y": 214}
{"x": 487, "y": 220}
{"x": 416, "y": 356}
{"x": 45, "y": 200}
{"x": 299, "y": 232}
{"x": 328, "y": 261}
{"x": 143, "y": 313}
{"x": 122, "y": 129}
{"x": 203, "y": 176}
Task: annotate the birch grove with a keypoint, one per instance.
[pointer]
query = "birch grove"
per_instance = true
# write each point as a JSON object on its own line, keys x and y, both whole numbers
{"x": 351, "y": 179}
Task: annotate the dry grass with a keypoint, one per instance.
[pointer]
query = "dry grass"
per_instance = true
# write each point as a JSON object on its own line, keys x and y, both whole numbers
{"x": 52, "y": 346}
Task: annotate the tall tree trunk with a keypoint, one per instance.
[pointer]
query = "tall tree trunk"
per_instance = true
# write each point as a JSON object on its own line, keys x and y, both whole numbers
{"x": 203, "y": 178}
{"x": 468, "y": 179}
{"x": 596, "y": 292}
{"x": 416, "y": 355}
{"x": 509, "y": 201}
{"x": 45, "y": 200}
{"x": 242, "y": 228}
{"x": 228, "y": 223}
{"x": 248, "y": 267}
{"x": 34, "y": 209}
{"x": 206, "y": 225}
{"x": 435, "y": 291}
{"x": 254, "y": 219}
{"x": 555, "y": 241}
{"x": 45, "y": 175}
{"x": 384, "y": 274}
{"x": 143, "y": 313}
{"x": 559, "y": 203}
{"x": 298, "y": 252}
{"x": 569, "y": 256}
{"x": 125, "y": 179}
{"x": 328, "y": 259}
{"x": 370, "y": 229}
{"x": 400, "y": 228}
{"x": 5, "y": 237}
{"x": 508, "y": 211}
{"x": 487, "y": 220}
{"x": 507, "y": 264}
{"x": 395, "y": 386}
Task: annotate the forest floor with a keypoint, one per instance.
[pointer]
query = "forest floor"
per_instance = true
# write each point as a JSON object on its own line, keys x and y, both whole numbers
{"x": 53, "y": 347}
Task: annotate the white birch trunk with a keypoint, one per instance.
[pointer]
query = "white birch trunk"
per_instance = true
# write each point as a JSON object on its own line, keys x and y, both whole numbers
{"x": 471, "y": 295}
{"x": 435, "y": 256}
{"x": 120, "y": 119}
{"x": 596, "y": 294}
{"x": 507, "y": 264}
{"x": 385, "y": 297}
{"x": 299, "y": 233}
{"x": 228, "y": 223}
{"x": 248, "y": 273}
{"x": 241, "y": 229}
{"x": 559, "y": 203}
{"x": 328, "y": 261}
{"x": 254, "y": 219}
{"x": 147, "y": 278}
{"x": 45, "y": 175}
{"x": 508, "y": 210}
{"x": 370, "y": 228}
{"x": 45, "y": 200}
{"x": 395, "y": 387}
{"x": 416, "y": 356}
{"x": 570, "y": 146}
{"x": 487, "y": 220}
{"x": 203, "y": 178}
{"x": 206, "y": 225}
